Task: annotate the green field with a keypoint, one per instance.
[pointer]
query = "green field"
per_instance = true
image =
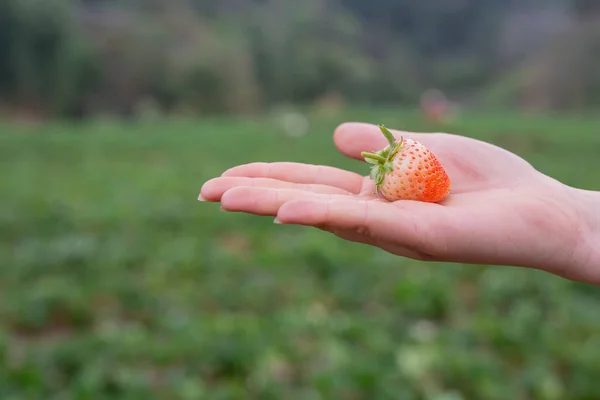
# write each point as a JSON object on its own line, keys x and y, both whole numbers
{"x": 116, "y": 283}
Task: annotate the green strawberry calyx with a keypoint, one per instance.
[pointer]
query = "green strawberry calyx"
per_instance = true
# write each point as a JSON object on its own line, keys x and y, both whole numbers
{"x": 382, "y": 160}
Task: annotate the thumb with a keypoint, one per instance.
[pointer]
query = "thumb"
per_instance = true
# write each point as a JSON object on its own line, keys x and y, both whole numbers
{"x": 352, "y": 138}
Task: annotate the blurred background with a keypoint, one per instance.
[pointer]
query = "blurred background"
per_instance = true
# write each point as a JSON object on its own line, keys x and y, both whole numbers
{"x": 116, "y": 283}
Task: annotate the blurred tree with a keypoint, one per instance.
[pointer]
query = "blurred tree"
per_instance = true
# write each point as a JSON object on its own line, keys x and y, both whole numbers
{"x": 44, "y": 62}
{"x": 71, "y": 57}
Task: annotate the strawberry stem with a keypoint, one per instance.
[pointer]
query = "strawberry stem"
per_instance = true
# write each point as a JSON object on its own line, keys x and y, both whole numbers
{"x": 388, "y": 135}
{"x": 373, "y": 156}
{"x": 382, "y": 160}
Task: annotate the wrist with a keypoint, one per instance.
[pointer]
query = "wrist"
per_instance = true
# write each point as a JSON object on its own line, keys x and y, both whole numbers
{"x": 588, "y": 203}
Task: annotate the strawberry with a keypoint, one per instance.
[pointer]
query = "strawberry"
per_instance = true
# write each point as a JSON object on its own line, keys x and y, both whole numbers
{"x": 407, "y": 170}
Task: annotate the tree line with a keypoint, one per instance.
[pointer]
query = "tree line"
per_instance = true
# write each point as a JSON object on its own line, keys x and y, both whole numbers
{"x": 70, "y": 58}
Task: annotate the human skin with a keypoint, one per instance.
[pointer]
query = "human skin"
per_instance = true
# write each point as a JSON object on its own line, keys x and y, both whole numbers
{"x": 501, "y": 210}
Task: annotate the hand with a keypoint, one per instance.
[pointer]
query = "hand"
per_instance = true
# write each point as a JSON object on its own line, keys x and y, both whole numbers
{"x": 501, "y": 211}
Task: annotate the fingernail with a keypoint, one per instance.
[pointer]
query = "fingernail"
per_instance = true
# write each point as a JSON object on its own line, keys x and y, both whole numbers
{"x": 200, "y": 198}
{"x": 277, "y": 221}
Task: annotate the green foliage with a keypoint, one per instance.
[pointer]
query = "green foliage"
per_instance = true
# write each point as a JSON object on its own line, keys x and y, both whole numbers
{"x": 117, "y": 284}
{"x": 561, "y": 77}
{"x": 45, "y": 63}
{"x": 69, "y": 58}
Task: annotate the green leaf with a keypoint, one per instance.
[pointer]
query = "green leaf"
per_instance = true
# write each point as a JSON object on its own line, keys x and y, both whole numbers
{"x": 388, "y": 135}
{"x": 374, "y": 172}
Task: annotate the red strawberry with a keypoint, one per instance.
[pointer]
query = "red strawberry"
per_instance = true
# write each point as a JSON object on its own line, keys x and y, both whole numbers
{"x": 407, "y": 170}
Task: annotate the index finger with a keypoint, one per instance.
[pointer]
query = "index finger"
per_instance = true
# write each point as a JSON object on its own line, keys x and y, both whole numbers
{"x": 300, "y": 173}
{"x": 355, "y": 137}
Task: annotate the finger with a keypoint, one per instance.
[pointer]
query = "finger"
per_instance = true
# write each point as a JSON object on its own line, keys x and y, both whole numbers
{"x": 265, "y": 201}
{"x": 300, "y": 173}
{"x": 412, "y": 225}
{"x": 353, "y": 138}
{"x": 213, "y": 189}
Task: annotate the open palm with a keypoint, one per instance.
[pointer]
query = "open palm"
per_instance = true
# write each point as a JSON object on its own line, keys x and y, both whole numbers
{"x": 501, "y": 210}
